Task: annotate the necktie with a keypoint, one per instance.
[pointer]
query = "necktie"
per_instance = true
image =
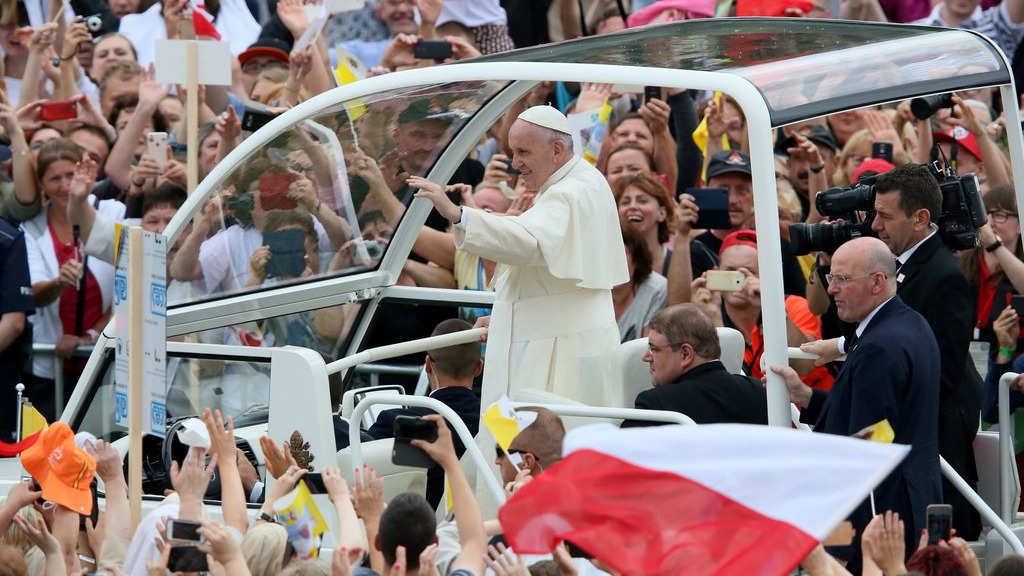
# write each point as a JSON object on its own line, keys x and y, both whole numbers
{"x": 851, "y": 343}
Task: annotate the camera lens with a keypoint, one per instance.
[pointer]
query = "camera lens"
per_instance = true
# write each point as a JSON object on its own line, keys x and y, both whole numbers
{"x": 926, "y": 107}
{"x": 94, "y": 23}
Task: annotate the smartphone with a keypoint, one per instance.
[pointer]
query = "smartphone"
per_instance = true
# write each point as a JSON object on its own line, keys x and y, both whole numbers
{"x": 95, "y": 514}
{"x": 408, "y": 428}
{"x": 60, "y": 110}
{"x": 713, "y": 208}
{"x": 509, "y": 169}
{"x": 183, "y": 531}
{"x": 1017, "y": 302}
{"x": 287, "y": 253}
{"x": 186, "y": 559}
{"x": 253, "y": 120}
{"x": 156, "y": 147}
{"x": 274, "y": 190}
{"x": 315, "y": 482}
{"x": 651, "y": 92}
{"x": 724, "y": 280}
{"x": 940, "y": 523}
{"x": 882, "y": 150}
{"x": 432, "y": 50}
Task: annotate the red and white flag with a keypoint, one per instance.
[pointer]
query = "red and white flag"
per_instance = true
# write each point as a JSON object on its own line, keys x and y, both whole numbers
{"x": 713, "y": 499}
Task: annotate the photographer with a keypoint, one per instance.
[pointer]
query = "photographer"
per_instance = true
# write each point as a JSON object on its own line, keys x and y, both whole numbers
{"x": 907, "y": 203}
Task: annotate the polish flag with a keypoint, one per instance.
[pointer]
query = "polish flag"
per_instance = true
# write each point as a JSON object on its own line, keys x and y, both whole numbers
{"x": 713, "y": 499}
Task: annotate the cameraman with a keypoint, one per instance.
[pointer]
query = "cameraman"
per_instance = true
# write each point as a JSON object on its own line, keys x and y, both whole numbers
{"x": 929, "y": 280}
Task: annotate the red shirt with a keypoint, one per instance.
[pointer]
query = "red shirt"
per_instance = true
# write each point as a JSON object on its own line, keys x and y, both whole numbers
{"x": 801, "y": 315}
{"x": 93, "y": 309}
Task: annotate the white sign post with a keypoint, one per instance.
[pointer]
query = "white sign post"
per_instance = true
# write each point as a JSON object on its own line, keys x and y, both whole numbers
{"x": 140, "y": 311}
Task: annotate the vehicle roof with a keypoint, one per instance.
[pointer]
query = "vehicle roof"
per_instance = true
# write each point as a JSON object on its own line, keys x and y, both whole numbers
{"x": 797, "y": 68}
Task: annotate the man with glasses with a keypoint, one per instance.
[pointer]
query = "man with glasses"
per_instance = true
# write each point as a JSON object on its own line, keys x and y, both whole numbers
{"x": 264, "y": 54}
{"x": 539, "y": 447}
{"x": 688, "y": 377}
{"x": 891, "y": 373}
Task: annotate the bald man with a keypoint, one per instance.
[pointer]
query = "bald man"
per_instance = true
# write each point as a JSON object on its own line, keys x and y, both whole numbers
{"x": 891, "y": 372}
{"x": 553, "y": 323}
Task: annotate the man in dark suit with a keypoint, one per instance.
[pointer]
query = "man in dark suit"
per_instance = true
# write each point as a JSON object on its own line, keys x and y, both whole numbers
{"x": 688, "y": 378}
{"x": 450, "y": 372}
{"x": 891, "y": 372}
{"x": 930, "y": 281}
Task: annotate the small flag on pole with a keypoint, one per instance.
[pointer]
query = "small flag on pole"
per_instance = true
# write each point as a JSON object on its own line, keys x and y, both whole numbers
{"x": 505, "y": 423}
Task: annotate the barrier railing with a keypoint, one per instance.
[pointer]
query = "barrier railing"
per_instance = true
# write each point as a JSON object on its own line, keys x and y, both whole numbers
{"x": 58, "y": 368}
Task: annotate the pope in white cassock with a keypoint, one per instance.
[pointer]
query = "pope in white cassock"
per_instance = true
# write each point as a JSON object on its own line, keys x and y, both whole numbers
{"x": 553, "y": 324}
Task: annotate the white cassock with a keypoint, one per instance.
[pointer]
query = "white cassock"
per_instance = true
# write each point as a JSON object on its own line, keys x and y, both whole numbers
{"x": 553, "y": 323}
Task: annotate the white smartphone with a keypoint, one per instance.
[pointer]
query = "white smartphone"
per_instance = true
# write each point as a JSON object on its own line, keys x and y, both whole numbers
{"x": 156, "y": 147}
{"x": 724, "y": 280}
{"x": 183, "y": 531}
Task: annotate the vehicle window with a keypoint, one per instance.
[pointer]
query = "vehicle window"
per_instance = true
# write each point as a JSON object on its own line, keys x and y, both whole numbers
{"x": 321, "y": 199}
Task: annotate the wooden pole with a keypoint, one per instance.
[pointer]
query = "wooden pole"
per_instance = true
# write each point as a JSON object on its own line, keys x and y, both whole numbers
{"x": 192, "y": 117}
{"x": 135, "y": 355}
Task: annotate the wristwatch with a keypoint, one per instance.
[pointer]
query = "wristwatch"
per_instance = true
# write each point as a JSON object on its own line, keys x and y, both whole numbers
{"x": 267, "y": 517}
{"x": 994, "y": 246}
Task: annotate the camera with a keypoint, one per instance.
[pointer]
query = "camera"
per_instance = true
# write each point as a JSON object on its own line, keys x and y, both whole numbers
{"x": 844, "y": 204}
{"x": 94, "y": 23}
{"x": 926, "y": 107}
{"x": 963, "y": 212}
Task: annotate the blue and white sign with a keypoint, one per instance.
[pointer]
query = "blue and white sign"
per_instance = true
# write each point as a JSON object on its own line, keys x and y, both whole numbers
{"x": 154, "y": 340}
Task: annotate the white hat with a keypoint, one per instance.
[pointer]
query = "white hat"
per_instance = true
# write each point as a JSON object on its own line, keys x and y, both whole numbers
{"x": 547, "y": 117}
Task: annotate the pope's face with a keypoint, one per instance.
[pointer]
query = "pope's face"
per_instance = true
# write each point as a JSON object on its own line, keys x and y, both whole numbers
{"x": 532, "y": 154}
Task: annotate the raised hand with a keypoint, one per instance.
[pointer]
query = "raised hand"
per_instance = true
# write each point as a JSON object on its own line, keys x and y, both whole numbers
{"x": 108, "y": 462}
{"x": 441, "y": 450}
{"x": 218, "y": 541}
{"x": 39, "y": 535}
{"x": 687, "y": 214}
{"x": 22, "y": 494}
{"x": 883, "y": 541}
{"x": 504, "y": 562}
{"x": 656, "y": 113}
{"x": 193, "y": 477}
{"x": 368, "y": 493}
{"x": 84, "y": 179}
{"x": 222, "y": 438}
{"x": 293, "y": 15}
{"x": 433, "y": 192}
{"x": 43, "y": 37}
{"x": 278, "y": 459}
{"x": 337, "y": 487}
{"x": 592, "y": 95}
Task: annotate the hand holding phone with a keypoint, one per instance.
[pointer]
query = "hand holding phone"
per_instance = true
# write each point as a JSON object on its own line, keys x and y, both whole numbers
{"x": 60, "y": 110}
{"x": 156, "y": 148}
{"x": 274, "y": 188}
{"x": 940, "y": 523}
{"x": 183, "y": 531}
{"x": 432, "y": 50}
{"x": 408, "y": 428}
{"x": 186, "y": 559}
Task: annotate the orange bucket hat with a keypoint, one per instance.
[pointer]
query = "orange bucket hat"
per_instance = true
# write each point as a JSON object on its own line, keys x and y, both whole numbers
{"x": 62, "y": 469}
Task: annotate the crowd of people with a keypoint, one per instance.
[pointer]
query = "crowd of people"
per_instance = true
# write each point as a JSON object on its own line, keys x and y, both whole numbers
{"x": 91, "y": 139}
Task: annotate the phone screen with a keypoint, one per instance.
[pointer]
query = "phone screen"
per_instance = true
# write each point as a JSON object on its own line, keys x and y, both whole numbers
{"x": 432, "y": 50}
{"x": 287, "y": 253}
{"x": 186, "y": 559}
{"x": 713, "y": 208}
{"x": 1018, "y": 304}
{"x": 882, "y": 150}
{"x": 274, "y": 190}
{"x": 183, "y": 531}
{"x": 940, "y": 522}
{"x": 315, "y": 482}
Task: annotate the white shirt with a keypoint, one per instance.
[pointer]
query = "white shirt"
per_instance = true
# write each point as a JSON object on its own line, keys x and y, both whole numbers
{"x": 910, "y": 251}
{"x": 472, "y": 13}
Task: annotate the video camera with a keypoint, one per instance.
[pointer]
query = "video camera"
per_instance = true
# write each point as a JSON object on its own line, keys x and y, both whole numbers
{"x": 963, "y": 212}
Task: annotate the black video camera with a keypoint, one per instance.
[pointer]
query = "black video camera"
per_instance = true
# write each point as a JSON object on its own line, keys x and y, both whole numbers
{"x": 963, "y": 212}
{"x": 844, "y": 204}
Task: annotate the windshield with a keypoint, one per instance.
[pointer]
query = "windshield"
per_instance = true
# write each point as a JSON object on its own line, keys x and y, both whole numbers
{"x": 321, "y": 199}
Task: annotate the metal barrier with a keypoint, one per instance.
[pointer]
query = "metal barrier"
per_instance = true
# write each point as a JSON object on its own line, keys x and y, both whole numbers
{"x": 1005, "y": 449}
{"x": 403, "y": 348}
{"x": 615, "y": 413}
{"x": 58, "y": 368}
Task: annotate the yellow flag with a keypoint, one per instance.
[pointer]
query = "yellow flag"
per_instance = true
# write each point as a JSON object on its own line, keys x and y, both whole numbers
{"x": 297, "y": 512}
{"x": 880, "y": 432}
{"x": 700, "y": 134}
{"x": 505, "y": 423}
{"x": 32, "y": 421}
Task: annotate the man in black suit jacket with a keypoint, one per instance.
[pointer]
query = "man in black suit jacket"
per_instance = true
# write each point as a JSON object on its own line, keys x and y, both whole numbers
{"x": 688, "y": 378}
{"x": 450, "y": 372}
{"x": 891, "y": 372}
{"x": 930, "y": 281}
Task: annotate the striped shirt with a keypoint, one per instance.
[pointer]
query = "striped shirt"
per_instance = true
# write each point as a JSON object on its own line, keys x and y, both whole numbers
{"x": 994, "y": 23}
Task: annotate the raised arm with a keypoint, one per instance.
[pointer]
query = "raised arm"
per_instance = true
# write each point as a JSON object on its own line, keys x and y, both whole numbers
{"x": 467, "y": 513}
{"x": 222, "y": 444}
{"x": 119, "y": 163}
{"x": 25, "y": 191}
{"x": 350, "y": 536}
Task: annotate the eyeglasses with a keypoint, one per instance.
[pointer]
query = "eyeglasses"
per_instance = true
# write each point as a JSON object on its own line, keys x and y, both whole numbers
{"x": 656, "y": 349}
{"x": 257, "y": 67}
{"x": 1000, "y": 216}
{"x": 844, "y": 280}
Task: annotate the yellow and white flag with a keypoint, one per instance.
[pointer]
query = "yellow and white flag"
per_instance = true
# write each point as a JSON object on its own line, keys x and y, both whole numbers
{"x": 505, "y": 423}
{"x": 301, "y": 518}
